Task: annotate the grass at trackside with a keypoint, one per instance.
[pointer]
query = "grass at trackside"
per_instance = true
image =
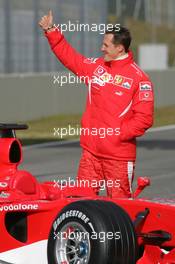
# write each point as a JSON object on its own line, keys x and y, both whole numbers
{"x": 164, "y": 116}
{"x": 43, "y": 130}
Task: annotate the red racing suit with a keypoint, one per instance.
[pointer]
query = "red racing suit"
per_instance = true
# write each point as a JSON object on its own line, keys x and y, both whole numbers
{"x": 119, "y": 104}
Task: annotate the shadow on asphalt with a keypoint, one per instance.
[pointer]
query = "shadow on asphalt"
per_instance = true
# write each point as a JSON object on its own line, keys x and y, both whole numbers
{"x": 145, "y": 143}
{"x": 68, "y": 145}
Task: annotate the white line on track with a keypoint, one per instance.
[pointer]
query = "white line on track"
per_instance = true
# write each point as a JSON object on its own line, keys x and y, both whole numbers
{"x": 62, "y": 143}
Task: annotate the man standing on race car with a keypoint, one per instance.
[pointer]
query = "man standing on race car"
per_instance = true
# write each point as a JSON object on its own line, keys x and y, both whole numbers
{"x": 120, "y": 101}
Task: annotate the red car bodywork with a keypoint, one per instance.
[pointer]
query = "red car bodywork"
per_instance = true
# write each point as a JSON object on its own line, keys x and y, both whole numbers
{"x": 20, "y": 187}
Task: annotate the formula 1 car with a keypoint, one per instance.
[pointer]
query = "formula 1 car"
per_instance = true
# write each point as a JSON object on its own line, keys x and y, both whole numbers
{"x": 40, "y": 223}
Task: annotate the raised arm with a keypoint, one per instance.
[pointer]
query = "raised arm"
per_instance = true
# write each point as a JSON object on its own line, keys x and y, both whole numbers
{"x": 67, "y": 55}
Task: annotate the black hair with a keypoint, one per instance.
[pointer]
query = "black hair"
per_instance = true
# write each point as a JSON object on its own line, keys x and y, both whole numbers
{"x": 121, "y": 36}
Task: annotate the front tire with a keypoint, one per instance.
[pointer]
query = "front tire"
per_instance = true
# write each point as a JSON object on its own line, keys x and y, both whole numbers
{"x": 89, "y": 232}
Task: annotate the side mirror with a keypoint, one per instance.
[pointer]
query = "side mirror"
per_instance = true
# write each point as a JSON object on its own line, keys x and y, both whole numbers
{"x": 142, "y": 183}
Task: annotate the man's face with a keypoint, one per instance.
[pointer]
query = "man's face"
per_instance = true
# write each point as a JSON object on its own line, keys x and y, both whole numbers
{"x": 111, "y": 51}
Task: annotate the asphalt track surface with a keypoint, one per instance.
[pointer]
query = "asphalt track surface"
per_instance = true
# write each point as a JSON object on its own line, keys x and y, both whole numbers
{"x": 155, "y": 158}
